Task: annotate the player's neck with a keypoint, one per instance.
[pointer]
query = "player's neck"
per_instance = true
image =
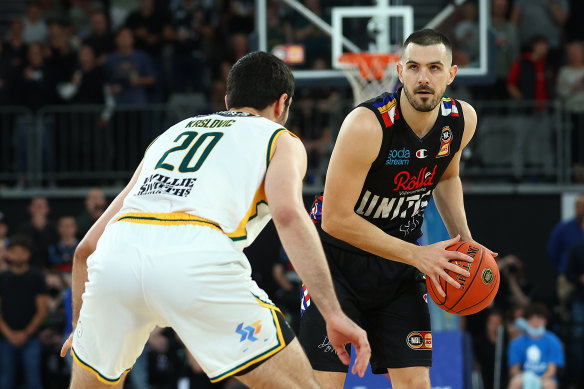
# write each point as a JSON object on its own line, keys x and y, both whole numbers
{"x": 264, "y": 113}
{"x": 420, "y": 122}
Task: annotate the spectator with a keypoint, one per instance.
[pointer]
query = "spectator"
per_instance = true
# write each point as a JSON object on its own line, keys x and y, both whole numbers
{"x": 238, "y": 16}
{"x": 41, "y": 230}
{"x": 23, "y": 299}
{"x": 534, "y": 16}
{"x": 60, "y": 53}
{"x": 100, "y": 38}
{"x": 95, "y": 205}
{"x": 575, "y": 274}
{"x": 4, "y": 76}
{"x": 61, "y": 253}
{"x": 14, "y": 53}
{"x": 534, "y": 358}
{"x": 129, "y": 71}
{"x": 466, "y": 32}
{"x": 484, "y": 347}
{"x": 80, "y": 14}
{"x": 507, "y": 51}
{"x": 530, "y": 77}
{"x": 564, "y": 236}
{"x": 513, "y": 289}
{"x": 148, "y": 24}
{"x": 34, "y": 27}
{"x": 570, "y": 89}
{"x": 192, "y": 28}
{"x": 315, "y": 41}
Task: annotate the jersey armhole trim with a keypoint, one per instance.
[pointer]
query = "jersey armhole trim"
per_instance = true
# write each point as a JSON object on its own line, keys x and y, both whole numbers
{"x": 272, "y": 141}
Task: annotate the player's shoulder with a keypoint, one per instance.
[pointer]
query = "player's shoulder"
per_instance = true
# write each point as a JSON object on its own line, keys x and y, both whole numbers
{"x": 470, "y": 115}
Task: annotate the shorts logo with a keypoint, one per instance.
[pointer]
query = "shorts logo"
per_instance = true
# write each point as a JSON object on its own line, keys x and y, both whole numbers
{"x": 419, "y": 340}
{"x": 248, "y": 332}
{"x": 445, "y": 139}
{"x": 487, "y": 276}
{"x": 422, "y": 153}
{"x": 79, "y": 329}
{"x": 425, "y": 296}
{"x": 326, "y": 346}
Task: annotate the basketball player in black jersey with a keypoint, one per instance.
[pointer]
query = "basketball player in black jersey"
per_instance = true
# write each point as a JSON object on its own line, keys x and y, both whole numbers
{"x": 392, "y": 154}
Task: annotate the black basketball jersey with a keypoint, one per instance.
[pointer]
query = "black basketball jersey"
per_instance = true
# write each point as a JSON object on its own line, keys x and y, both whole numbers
{"x": 400, "y": 182}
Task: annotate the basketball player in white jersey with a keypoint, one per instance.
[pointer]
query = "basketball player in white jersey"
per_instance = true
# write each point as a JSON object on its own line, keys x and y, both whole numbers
{"x": 167, "y": 252}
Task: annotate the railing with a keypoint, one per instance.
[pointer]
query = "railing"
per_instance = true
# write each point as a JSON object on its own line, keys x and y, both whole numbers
{"x": 71, "y": 146}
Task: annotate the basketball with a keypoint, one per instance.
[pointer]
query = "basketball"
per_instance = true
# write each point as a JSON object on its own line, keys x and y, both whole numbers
{"x": 476, "y": 291}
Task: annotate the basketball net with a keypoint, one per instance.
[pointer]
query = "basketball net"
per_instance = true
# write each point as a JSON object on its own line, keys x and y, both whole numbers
{"x": 370, "y": 74}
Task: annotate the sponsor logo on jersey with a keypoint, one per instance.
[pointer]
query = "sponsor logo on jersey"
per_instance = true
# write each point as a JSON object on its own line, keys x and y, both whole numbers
{"x": 406, "y": 182}
{"x": 487, "y": 276}
{"x": 159, "y": 183}
{"x": 445, "y": 140}
{"x": 419, "y": 340}
{"x": 393, "y": 207}
{"x": 249, "y": 332}
{"x": 422, "y": 153}
{"x": 398, "y": 157}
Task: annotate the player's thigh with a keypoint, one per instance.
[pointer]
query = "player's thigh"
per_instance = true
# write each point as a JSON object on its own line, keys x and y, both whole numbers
{"x": 288, "y": 369}
{"x": 417, "y": 377}
{"x": 85, "y": 379}
{"x": 399, "y": 330}
{"x": 330, "y": 379}
{"x": 115, "y": 320}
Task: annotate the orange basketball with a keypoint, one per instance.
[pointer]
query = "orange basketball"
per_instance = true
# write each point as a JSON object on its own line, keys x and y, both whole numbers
{"x": 477, "y": 291}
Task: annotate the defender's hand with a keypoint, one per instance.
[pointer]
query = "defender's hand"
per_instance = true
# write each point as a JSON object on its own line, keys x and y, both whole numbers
{"x": 341, "y": 330}
{"x": 67, "y": 345}
{"x": 433, "y": 260}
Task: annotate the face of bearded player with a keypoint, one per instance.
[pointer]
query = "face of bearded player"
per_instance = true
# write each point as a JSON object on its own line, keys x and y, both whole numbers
{"x": 425, "y": 72}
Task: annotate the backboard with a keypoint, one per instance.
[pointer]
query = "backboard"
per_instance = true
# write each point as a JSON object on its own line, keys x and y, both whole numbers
{"x": 323, "y": 29}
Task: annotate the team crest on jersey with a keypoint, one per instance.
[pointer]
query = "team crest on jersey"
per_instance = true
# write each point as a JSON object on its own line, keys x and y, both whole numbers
{"x": 445, "y": 140}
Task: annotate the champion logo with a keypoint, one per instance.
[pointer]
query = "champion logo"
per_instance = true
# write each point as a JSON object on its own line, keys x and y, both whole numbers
{"x": 248, "y": 332}
{"x": 422, "y": 153}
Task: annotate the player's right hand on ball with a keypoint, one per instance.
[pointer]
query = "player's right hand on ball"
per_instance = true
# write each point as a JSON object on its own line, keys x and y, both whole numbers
{"x": 434, "y": 259}
{"x": 341, "y": 330}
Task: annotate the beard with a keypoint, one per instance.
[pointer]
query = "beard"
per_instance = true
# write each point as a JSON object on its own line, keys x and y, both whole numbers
{"x": 426, "y": 104}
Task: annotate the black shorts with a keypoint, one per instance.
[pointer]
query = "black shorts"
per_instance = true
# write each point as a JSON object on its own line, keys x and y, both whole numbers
{"x": 387, "y": 299}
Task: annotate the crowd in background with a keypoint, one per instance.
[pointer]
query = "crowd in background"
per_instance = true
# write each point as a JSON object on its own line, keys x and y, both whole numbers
{"x": 147, "y": 51}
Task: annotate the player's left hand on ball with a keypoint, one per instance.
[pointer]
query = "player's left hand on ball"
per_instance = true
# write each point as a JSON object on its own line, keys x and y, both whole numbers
{"x": 67, "y": 345}
{"x": 342, "y": 330}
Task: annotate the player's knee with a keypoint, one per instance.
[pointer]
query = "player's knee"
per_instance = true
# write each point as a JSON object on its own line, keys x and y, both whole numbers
{"x": 414, "y": 382}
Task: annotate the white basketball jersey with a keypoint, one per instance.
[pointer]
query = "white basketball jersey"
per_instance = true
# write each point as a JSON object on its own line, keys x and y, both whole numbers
{"x": 211, "y": 167}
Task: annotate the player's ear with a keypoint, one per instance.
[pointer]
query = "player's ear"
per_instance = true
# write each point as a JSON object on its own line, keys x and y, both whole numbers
{"x": 400, "y": 68}
{"x": 452, "y": 73}
{"x": 280, "y": 106}
{"x": 226, "y": 105}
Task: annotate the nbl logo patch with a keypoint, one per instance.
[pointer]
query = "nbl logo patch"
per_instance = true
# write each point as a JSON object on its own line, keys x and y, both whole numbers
{"x": 445, "y": 140}
{"x": 419, "y": 340}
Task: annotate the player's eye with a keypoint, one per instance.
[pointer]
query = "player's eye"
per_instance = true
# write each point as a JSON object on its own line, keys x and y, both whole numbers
{"x": 413, "y": 67}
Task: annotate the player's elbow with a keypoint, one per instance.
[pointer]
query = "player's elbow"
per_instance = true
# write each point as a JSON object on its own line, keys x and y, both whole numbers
{"x": 286, "y": 215}
{"x": 333, "y": 225}
{"x": 83, "y": 250}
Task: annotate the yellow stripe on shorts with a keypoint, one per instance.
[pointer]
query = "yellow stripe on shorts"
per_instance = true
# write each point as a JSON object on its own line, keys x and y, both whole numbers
{"x": 92, "y": 370}
{"x": 262, "y": 356}
{"x": 177, "y": 218}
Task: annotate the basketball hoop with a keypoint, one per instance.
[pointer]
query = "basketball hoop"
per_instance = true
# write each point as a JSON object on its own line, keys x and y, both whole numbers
{"x": 370, "y": 74}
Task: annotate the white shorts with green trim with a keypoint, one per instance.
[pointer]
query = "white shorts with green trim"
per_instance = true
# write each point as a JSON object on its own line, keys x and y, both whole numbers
{"x": 189, "y": 277}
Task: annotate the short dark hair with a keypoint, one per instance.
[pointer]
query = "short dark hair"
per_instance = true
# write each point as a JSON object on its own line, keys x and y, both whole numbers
{"x": 538, "y": 38}
{"x": 536, "y": 309}
{"x": 257, "y": 80}
{"x": 428, "y": 37}
{"x": 21, "y": 241}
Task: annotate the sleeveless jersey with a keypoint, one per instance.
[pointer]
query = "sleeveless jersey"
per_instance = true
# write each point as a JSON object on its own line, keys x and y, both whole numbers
{"x": 400, "y": 182}
{"x": 211, "y": 167}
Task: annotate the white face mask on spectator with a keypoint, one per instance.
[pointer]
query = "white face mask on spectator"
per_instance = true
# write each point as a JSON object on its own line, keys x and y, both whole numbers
{"x": 535, "y": 332}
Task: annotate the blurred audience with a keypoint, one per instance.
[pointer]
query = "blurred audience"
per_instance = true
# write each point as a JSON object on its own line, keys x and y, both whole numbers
{"x": 570, "y": 89}
{"x": 34, "y": 27}
{"x": 507, "y": 42}
{"x": 41, "y": 230}
{"x": 100, "y": 38}
{"x": 23, "y": 308}
{"x": 534, "y": 358}
{"x": 564, "y": 236}
{"x": 61, "y": 252}
{"x": 484, "y": 347}
{"x": 95, "y": 205}
{"x": 575, "y": 275}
